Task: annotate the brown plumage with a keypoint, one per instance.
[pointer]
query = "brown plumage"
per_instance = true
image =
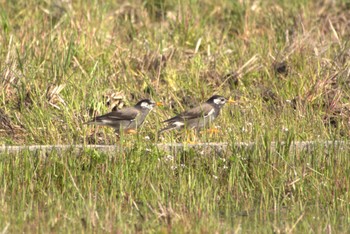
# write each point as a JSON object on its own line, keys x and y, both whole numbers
{"x": 129, "y": 118}
{"x": 198, "y": 117}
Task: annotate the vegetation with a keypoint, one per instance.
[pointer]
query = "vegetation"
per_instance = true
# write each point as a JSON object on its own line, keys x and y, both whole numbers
{"x": 286, "y": 63}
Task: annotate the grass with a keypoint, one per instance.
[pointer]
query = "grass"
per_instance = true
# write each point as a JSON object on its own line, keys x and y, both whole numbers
{"x": 284, "y": 62}
{"x": 143, "y": 189}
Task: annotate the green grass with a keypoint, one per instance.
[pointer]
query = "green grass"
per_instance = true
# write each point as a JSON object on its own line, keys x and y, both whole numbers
{"x": 285, "y": 62}
{"x": 142, "y": 189}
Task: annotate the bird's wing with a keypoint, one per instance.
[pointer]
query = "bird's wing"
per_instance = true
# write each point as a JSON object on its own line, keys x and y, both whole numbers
{"x": 197, "y": 112}
{"x": 128, "y": 113}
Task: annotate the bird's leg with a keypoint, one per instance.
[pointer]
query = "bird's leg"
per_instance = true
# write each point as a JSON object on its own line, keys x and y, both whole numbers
{"x": 130, "y": 131}
{"x": 194, "y": 135}
{"x": 213, "y": 131}
{"x": 188, "y": 138}
{"x": 117, "y": 137}
{"x": 124, "y": 140}
{"x": 191, "y": 137}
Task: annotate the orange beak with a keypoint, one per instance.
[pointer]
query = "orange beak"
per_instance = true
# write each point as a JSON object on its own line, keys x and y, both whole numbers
{"x": 231, "y": 101}
{"x": 159, "y": 103}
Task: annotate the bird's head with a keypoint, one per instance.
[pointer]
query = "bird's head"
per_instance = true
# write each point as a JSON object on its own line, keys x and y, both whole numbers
{"x": 217, "y": 100}
{"x": 146, "y": 104}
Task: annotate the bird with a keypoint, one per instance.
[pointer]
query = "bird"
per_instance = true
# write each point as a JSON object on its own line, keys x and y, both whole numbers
{"x": 197, "y": 117}
{"x": 128, "y": 119}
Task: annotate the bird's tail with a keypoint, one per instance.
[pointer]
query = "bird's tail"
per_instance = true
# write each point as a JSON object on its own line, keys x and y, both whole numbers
{"x": 167, "y": 128}
{"x": 93, "y": 122}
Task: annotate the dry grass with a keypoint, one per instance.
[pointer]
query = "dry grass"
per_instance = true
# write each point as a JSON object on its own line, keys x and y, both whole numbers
{"x": 286, "y": 63}
{"x": 64, "y": 59}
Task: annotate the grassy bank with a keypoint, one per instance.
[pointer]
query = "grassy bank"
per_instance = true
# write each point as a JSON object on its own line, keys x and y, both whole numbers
{"x": 143, "y": 189}
{"x": 64, "y": 62}
{"x": 284, "y": 62}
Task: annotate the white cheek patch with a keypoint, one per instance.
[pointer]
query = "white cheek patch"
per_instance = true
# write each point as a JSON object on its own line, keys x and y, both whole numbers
{"x": 217, "y": 101}
{"x": 146, "y": 105}
{"x": 178, "y": 124}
